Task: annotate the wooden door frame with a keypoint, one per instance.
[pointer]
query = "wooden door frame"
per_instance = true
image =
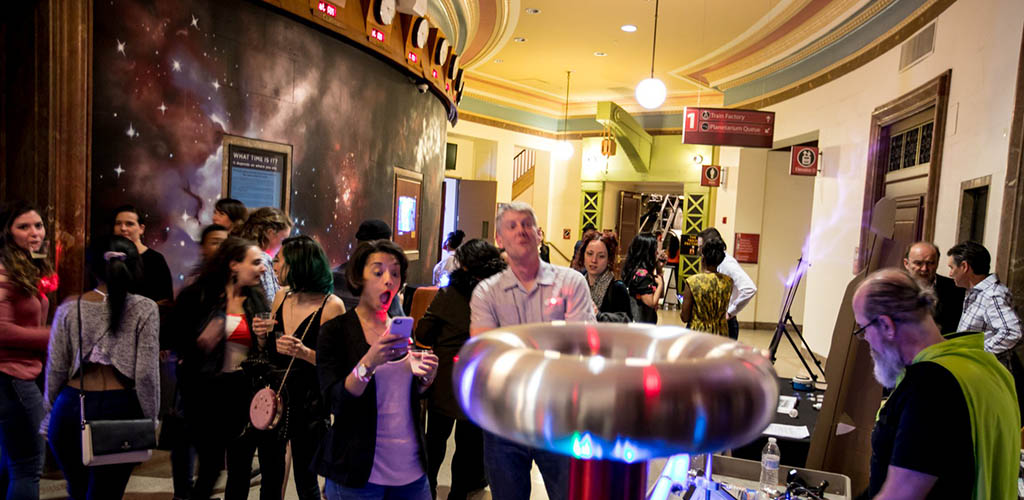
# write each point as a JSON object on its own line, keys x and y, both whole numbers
{"x": 933, "y": 93}
{"x": 1010, "y": 250}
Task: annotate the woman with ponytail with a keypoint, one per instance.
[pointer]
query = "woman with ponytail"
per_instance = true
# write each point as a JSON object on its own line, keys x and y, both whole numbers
{"x": 120, "y": 346}
{"x": 25, "y": 277}
{"x": 445, "y": 328}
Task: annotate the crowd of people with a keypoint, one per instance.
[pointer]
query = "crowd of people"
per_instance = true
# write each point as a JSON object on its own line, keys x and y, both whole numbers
{"x": 264, "y": 309}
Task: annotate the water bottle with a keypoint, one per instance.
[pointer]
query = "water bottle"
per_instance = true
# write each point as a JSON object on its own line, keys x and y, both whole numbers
{"x": 770, "y": 465}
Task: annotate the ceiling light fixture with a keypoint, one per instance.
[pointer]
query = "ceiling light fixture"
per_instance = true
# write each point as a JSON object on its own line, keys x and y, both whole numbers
{"x": 628, "y": 28}
{"x": 519, "y": 39}
{"x": 600, "y": 54}
{"x": 532, "y": 10}
{"x": 650, "y": 92}
{"x": 499, "y": 61}
{"x": 563, "y": 149}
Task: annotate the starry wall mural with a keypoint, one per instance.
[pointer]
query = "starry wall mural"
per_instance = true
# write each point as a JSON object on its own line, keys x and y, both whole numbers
{"x": 171, "y": 78}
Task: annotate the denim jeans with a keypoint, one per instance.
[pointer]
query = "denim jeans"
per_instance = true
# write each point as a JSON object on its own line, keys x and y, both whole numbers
{"x": 416, "y": 490}
{"x": 21, "y": 445}
{"x": 94, "y": 482}
{"x": 508, "y": 467}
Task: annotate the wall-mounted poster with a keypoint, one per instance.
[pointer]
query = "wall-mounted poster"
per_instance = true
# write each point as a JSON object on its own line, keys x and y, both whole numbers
{"x": 257, "y": 173}
{"x": 406, "y": 218}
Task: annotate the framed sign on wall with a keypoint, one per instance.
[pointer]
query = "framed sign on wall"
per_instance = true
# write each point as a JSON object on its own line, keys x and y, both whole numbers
{"x": 258, "y": 173}
{"x": 406, "y": 219}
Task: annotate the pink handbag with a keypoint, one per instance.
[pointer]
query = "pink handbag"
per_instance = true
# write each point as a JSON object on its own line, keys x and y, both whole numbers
{"x": 266, "y": 408}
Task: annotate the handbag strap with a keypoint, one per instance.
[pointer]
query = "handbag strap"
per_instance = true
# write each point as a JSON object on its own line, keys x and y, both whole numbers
{"x": 301, "y": 337}
{"x": 81, "y": 360}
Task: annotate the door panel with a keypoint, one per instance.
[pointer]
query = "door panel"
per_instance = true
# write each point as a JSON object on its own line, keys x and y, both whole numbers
{"x": 477, "y": 203}
{"x": 629, "y": 220}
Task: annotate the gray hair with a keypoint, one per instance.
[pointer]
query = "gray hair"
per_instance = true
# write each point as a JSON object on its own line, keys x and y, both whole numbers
{"x": 895, "y": 293}
{"x": 515, "y": 206}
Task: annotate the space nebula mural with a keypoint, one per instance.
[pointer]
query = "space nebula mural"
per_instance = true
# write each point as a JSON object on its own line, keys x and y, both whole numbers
{"x": 172, "y": 77}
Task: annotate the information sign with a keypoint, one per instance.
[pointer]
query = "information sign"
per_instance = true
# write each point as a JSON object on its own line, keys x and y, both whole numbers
{"x": 728, "y": 127}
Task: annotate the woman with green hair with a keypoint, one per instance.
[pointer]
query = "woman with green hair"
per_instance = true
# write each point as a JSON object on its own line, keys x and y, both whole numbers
{"x": 306, "y": 301}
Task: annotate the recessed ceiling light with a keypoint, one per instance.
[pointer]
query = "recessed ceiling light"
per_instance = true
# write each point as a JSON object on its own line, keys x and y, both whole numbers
{"x": 600, "y": 54}
{"x": 499, "y": 61}
{"x": 519, "y": 39}
{"x": 628, "y": 28}
{"x": 532, "y": 10}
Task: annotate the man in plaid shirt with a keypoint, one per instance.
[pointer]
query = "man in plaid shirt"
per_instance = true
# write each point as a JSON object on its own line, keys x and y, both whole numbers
{"x": 987, "y": 304}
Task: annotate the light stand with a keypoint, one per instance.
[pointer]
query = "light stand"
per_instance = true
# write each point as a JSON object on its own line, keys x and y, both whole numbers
{"x": 784, "y": 316}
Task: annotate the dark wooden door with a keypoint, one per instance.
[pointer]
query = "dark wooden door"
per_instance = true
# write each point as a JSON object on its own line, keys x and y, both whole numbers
{"x": 908, "y": 227}
{"x": 630, "y": 208}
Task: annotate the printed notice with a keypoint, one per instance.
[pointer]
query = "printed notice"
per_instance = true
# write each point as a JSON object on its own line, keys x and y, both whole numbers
{"x": 257, "y": 176}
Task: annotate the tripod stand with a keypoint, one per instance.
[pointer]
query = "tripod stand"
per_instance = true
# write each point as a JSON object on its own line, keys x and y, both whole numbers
{"x": 784, "y": 316}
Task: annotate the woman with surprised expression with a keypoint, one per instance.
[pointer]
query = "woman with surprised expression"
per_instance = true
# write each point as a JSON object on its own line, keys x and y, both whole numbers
{"x": 375, "y": 446}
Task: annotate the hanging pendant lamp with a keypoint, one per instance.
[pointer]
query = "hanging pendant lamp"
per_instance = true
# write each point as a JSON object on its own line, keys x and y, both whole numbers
{"x": 650, "y": 92}
{"x": 563, "y": 150}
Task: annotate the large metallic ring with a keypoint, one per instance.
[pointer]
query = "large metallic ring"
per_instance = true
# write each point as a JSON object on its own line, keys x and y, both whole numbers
{"x": 625, "y": 392}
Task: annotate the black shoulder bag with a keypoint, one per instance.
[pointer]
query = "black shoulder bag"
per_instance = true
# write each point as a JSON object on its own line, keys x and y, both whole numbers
{"x": 107, "y": 442}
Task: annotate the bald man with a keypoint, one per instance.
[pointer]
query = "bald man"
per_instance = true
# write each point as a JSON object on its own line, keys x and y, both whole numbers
{"x": 922, "y": 262}
{"x": 951, "y": 427}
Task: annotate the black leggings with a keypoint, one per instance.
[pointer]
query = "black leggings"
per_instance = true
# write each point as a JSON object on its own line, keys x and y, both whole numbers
{"x": 468, "y": 460}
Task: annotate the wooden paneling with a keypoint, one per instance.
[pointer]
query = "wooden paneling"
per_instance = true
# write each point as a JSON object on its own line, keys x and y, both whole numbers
{"x": 934, "y": 93}
{"x": 45, "y": 137}
{"x": 1010, "y": 252}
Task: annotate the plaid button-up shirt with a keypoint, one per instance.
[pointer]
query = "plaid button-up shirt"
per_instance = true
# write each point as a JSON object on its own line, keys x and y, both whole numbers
{"x": 988, "y": 308}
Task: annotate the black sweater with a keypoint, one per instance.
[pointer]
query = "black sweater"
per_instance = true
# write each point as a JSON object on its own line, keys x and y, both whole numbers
{"x": 345, "y": 455}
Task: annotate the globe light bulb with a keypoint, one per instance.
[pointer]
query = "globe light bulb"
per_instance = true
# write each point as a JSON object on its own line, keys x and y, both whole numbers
{"x": 563, "y": 150}
{"x": 650, "y": 93}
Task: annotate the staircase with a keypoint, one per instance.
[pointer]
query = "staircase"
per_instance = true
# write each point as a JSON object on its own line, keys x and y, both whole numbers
{"x": 522, "y": 171}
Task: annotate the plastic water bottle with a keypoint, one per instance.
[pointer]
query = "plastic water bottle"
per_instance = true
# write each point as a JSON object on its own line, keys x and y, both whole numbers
{"x": 770, "y": 465}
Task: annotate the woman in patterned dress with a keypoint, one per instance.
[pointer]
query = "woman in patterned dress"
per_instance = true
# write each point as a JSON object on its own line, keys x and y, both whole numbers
{"x": 705, "y": 300}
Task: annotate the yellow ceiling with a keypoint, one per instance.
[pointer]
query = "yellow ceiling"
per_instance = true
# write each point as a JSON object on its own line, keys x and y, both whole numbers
{"x": 703, "y": 47}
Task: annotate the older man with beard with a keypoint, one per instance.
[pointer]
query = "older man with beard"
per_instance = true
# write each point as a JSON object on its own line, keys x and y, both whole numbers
{"x": 922, "y": 262}
{"x": 951, "y": 427}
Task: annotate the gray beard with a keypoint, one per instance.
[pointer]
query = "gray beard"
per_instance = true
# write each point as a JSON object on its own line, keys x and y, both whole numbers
{"x": 888, "y": 366}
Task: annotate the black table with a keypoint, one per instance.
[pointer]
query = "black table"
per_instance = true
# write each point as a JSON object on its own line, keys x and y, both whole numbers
{"x": 793, "y": 451}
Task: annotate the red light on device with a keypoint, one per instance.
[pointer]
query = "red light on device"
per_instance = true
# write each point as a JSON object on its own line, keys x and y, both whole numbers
{"x": 327, "y": 8}
{"x": 435, "y": 73}
{"x": 377, "y": 34}
{"x": 412, "y": 57}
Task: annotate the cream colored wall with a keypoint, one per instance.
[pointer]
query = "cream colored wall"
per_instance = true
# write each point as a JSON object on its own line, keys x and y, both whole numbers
{"x": 464, "y": 159}
{"x": 979, "y": 40}
{"x": 556, "y": 190}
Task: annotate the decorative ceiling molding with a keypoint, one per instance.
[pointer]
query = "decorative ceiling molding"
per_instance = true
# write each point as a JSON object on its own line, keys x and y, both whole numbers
{"x": 926, "y": 13}
{"x": 789, "y": 47}
{"x": 832, "y": 37}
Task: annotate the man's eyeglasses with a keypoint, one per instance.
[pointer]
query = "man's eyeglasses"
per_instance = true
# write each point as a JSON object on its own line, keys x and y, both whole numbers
{"x": 859, "y": 333}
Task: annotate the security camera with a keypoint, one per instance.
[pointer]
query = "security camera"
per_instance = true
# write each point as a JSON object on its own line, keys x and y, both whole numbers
{"x": 422, "y": 88}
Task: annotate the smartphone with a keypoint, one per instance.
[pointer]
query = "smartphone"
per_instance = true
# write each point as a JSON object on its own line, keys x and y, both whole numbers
{"x": 401, "y": 326}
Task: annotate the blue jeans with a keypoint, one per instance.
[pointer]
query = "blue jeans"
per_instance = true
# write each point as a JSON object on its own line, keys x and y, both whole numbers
{"x": 508, "y": 469}
{"x": 94, "y": 482}
{"x": 21, "y": 458}
{"x": 416, "y": 490}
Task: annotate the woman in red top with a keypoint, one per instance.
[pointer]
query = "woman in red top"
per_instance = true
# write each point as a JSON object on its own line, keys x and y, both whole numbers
{"x": 23, "y": 339}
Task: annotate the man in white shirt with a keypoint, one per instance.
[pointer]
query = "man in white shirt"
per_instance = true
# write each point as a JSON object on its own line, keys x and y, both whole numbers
{"x": 987, "y": 304}
{"x": 743, "y": 288}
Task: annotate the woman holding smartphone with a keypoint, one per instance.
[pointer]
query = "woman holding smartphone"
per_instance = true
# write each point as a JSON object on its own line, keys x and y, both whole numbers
{"x": 375, "y": 445}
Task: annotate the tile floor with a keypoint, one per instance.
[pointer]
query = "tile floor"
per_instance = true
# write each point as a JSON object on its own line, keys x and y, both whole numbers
{"x": 151, "y": 481}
